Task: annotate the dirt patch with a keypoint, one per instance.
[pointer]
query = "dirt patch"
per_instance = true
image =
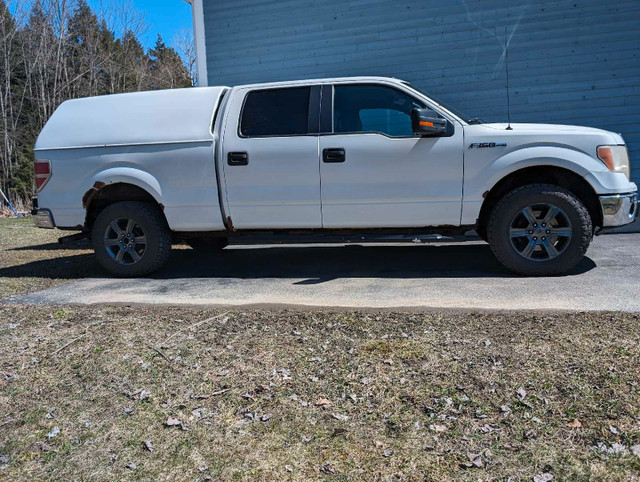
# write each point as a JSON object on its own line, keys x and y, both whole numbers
{"x": 174, "y": 393}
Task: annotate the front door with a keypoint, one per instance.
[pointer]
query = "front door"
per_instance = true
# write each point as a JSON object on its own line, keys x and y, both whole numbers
{"x": 375, "y": 172}
{"x": 270, "y": 158}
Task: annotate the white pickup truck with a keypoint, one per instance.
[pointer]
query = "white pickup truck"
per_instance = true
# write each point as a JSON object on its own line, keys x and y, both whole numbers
{"x": 357, "y": 157}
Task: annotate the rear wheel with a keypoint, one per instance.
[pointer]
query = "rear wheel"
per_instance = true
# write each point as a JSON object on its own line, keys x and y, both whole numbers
{"x": 539, "y": 229}
{"x": 131, "y": 239}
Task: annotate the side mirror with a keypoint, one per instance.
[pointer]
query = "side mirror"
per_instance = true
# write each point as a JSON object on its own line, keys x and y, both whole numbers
{"x": 425, "y": 123}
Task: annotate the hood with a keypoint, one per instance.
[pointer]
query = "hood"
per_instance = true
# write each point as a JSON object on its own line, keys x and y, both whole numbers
{"x": 553, "y": 130}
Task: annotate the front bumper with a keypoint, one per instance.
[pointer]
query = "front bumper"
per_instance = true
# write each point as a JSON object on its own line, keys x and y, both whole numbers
{"x": 619, "y": 209}
{"x": 43, "y": 218}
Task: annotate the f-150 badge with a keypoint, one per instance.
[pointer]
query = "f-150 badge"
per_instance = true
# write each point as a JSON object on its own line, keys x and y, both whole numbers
{"x": 482, "y": 145}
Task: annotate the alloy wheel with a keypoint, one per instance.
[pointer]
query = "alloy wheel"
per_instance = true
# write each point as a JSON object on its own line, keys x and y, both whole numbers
{"x": 540, "y": 232}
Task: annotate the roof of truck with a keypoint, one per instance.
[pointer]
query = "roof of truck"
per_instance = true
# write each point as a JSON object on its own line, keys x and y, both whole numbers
{"x": 329, "y": 80}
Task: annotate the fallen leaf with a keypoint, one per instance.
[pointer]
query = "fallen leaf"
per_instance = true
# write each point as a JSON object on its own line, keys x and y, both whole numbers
{"x": 327, "y": 469}
{"x": 438, "y": 428}
{"x": 323, "y": 402}
{"x": 339, "y": 416}
{"x": 522, "y": 393}
{"x": 575, "y": 424}
{"x": 475, "y": 459}
{"x": 172, "y": 422}
{"x": 378, "y": 444}
{"x": 544, "y": 477}
{"x": 613, "y": 430}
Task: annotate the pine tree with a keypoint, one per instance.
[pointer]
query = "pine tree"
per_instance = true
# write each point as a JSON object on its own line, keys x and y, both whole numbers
{"x": 167, "y": 69}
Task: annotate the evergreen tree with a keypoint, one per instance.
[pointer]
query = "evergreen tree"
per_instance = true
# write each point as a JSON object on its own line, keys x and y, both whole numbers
{"x": 167, "y": 69}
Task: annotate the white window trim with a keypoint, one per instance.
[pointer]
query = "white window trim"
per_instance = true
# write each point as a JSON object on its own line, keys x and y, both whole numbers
{"x": 197, "y": 12}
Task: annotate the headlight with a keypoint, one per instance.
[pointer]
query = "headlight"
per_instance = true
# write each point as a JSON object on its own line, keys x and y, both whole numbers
{"x": 616, "y": 158}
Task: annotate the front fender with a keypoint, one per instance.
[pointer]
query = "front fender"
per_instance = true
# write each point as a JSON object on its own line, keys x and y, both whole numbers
{"x": 127, "y": 175}
{"x": 481, "y": 175}
{"x": 561, "y": 157}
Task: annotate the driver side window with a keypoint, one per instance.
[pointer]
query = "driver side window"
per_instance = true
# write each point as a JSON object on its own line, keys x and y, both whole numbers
{"x": 372, "y": 108}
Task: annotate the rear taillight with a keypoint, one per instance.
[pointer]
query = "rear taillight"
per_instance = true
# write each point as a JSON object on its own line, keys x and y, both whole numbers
{"x": 42, "y": 171}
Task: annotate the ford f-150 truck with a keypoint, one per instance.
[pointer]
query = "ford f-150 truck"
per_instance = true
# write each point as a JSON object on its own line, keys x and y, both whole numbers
{"x": 354, "y": 157}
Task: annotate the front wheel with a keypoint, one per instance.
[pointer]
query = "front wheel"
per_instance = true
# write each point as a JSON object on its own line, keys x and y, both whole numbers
{"x": 539, "y": 230}
{"x": 131, "y": 238}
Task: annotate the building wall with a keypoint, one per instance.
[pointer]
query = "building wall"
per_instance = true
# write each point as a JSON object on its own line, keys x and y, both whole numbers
{"x": 570, "y": 62}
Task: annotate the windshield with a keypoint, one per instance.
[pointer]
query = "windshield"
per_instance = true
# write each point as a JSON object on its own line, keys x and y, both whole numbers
{"x": 456, "y": 112}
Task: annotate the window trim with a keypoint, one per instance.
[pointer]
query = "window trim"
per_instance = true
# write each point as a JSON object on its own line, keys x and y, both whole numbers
{"x": 377, "y": 84}
{"x": 313, "y": 105}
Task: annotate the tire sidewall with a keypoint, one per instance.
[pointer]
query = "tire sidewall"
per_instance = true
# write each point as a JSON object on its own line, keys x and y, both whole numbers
{"x": 153, "y": 226}
{"x": 503, "y": 215}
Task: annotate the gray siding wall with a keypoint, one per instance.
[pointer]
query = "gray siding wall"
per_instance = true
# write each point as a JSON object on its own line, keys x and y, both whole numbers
{"x": 570, "y": 62}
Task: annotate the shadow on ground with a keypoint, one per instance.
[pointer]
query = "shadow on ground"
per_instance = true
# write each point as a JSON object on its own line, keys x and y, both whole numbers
{"x": 314, "y": 264}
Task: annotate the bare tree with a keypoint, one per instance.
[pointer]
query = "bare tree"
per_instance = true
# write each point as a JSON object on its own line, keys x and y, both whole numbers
{"x": 186, "y": 48}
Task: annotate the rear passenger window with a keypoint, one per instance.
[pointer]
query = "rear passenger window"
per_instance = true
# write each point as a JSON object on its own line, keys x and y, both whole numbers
{"x": 276, "y": 112}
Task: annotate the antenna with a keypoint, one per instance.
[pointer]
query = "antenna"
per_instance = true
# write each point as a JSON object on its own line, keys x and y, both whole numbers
{"x": 506, "y": 67}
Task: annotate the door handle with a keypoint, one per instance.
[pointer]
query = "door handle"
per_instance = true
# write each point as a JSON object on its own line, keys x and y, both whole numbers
{"x": 334, "y": 155}
{"x": 238, "y": 158}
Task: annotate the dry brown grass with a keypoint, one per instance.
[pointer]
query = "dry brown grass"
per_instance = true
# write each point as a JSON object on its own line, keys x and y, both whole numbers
{"x": 437, "y": 389}
{"x": 31, "y": 259}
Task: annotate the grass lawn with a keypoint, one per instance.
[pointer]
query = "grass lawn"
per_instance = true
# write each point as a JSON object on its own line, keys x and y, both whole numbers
{"x": 97, "y": 392}
{"x": 31, "y": 258}
{"x": 86, "y": 392}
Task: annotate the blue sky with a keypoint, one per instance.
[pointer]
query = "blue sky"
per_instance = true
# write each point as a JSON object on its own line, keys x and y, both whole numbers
{"x": 164, "y": 17}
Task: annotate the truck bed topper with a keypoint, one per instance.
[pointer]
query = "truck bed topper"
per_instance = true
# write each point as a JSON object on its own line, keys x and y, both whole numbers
{"x": 157, "y": 117}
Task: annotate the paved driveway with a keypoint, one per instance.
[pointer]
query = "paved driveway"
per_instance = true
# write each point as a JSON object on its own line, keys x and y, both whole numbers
{"x": 398, "y": 275}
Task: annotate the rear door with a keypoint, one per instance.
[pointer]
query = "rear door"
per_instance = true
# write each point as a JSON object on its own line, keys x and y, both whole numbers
{"x": 375, "y": 172}
{"x": 270, "y": 158}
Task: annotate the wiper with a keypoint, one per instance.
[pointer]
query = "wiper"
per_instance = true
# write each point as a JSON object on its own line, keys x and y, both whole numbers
{"x": 475, "y": 120}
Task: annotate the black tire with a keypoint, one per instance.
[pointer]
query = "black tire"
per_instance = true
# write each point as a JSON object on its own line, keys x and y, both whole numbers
{"x": 149, "y": 224}
{"x": 207, "y": 245}
{"x": 519, "y": 247}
